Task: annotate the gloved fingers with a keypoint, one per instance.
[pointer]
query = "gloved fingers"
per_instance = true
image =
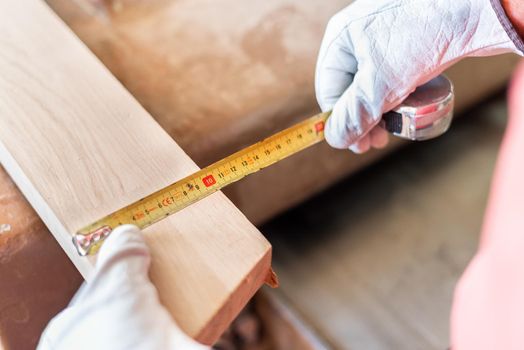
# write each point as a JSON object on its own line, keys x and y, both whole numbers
{"x": 379, "y": 137}
{"x": 376, "y": 138}
{"x": 361, "y": 146}
{"x": 333, "y": 79}
{"x": 336, "y": 66}
{"x": 356, "y": 112}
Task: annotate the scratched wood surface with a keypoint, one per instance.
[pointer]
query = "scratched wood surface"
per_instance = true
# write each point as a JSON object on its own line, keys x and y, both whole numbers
{"x": 79, "y": 146}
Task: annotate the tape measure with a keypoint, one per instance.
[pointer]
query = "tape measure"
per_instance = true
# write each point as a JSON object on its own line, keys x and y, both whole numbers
{"x": 425, "y": 114}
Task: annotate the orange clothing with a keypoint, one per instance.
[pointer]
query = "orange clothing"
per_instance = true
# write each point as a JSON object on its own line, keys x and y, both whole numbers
{"x": 488, "y": 309}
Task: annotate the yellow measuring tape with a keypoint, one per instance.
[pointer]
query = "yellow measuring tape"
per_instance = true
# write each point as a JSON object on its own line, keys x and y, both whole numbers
{"x": 193, "y": 188}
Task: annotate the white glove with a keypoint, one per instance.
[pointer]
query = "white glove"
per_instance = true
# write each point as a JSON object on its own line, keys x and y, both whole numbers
{"x": 376, "y": 52}
{"x": 119, "y": 308}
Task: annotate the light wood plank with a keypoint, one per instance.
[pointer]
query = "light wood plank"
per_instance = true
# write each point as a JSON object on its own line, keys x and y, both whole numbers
{"x": 79, "y": 146}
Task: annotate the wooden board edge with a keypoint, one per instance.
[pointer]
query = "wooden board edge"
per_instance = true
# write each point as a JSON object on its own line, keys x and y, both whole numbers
{"x": 239, "y": 298}
{"x": 84, "y": 265}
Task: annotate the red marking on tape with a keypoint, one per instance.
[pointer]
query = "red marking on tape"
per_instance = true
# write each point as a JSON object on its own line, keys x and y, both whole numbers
{"x": 319, "y": 127}
{"x": 209, "y": 180}
{"x": 166, "y": 202}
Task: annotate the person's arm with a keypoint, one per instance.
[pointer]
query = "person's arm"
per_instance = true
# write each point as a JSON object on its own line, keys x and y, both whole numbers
{"x": 375, "y": 53}
{"x": 515, "y": 12}
{"x": 488, "y": 303}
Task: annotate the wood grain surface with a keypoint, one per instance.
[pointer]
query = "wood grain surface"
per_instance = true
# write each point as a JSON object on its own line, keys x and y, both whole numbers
{"x": 79, "y": 146}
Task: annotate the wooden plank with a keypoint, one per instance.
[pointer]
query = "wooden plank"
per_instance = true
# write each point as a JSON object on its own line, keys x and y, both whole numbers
{"x": 79, "y": 146}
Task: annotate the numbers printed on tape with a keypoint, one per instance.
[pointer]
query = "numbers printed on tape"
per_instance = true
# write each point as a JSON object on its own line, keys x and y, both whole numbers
{"x": 209, "y": 180}
{"x": 204, "y": 182}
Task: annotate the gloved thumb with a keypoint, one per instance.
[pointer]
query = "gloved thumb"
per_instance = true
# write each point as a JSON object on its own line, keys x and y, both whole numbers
{"x": 124, "y": 252}
{"x": 121, "y": 268}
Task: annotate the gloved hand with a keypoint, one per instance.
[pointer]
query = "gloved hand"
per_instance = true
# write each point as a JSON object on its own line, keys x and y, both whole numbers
{"x": 375, "y": 53}
{"x": 119, "y": 308}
